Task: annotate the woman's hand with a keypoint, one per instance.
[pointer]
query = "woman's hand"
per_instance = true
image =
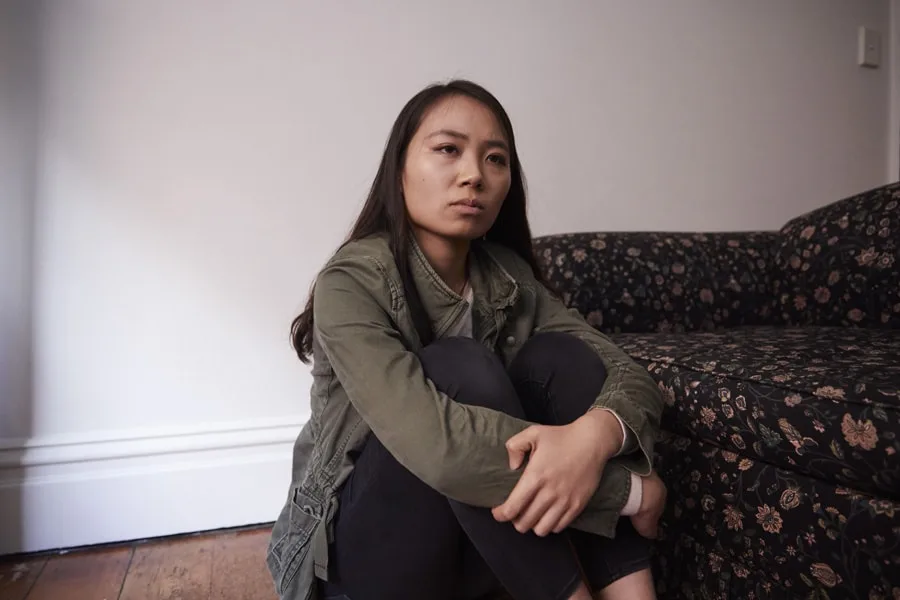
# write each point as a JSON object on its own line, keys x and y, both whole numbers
{"x": 563, "y": 471}
{"x": 653, "y": 503}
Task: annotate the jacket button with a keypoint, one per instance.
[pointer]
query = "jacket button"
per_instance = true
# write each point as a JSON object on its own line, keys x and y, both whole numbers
{"x": 510, "y": 340}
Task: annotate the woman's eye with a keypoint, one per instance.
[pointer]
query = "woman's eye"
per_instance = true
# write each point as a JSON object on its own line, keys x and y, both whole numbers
{"x": 497, "y": 159}
{"x": 449, "y": 149}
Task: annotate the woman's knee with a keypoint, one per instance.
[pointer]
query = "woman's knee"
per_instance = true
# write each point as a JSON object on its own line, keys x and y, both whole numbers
{"x": 470, "y": 373}
{"x": 557, "y": 354}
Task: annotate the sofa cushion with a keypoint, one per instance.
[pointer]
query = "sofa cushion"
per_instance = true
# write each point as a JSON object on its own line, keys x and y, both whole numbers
{"x": 644, "y": 281}
{"x": 821, "y": 401}
{"x": 840, "y": 264}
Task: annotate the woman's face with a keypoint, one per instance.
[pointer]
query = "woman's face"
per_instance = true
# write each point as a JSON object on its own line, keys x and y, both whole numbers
{"x": 456, "y": 173}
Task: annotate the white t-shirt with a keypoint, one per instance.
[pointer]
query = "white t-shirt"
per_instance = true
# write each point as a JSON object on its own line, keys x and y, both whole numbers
{"x": 463, "y": 327}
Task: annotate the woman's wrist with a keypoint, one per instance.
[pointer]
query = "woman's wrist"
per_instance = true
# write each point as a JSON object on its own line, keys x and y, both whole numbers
{"x": 607, "y": 431}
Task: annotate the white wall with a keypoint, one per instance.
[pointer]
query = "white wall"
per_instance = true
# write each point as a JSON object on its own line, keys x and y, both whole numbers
{"x": 18, "y": 120}
{"x": 18, "y": 135}
{"x": 198, "y": 161}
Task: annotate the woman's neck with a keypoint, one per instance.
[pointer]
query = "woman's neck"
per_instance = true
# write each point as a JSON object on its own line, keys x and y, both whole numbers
{"x": 448, "y": 258}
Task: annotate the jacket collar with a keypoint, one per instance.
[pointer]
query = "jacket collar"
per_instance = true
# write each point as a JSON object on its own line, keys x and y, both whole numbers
{"x": 495, "y": 289}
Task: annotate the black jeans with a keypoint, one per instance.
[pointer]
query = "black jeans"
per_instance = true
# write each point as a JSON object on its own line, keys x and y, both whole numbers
{"x": 396, "y": 538}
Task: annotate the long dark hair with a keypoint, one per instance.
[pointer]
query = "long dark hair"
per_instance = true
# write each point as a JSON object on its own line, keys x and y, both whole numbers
{"x": 385, "y": 208}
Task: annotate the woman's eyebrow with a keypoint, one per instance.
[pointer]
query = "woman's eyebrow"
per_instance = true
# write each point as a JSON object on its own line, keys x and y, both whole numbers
{"x": 462, "y": 136}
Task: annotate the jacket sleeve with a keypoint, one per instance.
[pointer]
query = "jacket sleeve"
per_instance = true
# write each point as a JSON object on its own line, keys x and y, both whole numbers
{"x": 456, "y": 449}
{"x": 629, "y": 390}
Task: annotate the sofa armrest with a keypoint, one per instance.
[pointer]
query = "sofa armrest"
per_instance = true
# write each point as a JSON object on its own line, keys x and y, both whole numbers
{"x": 839, "y": 265}
{"x": 647, "y": 282}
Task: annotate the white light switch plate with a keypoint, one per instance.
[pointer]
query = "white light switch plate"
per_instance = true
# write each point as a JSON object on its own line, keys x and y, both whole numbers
{"x": 869, "y": 49}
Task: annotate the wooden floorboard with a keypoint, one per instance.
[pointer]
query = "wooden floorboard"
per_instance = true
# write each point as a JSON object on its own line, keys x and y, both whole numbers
{"x": 167, "y": 570}
{"x": 88, "y": 575}
{"x": 18, "y": 577}
{"x": 228, "y": 565}
{"x": 239, "y": 569}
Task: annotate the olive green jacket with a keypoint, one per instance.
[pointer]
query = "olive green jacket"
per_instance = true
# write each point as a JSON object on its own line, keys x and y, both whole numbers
{"x": 367, "y": 378}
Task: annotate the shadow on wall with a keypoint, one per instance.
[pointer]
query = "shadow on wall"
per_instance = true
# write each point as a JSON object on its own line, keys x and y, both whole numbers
{"x": 19, "y": 122}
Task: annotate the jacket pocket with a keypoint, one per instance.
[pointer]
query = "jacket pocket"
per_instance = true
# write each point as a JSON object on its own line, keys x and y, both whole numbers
{"x": 291, "y": 538}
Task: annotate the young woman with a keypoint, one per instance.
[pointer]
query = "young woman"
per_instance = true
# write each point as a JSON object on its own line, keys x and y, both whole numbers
{"x": 469, "y": 437}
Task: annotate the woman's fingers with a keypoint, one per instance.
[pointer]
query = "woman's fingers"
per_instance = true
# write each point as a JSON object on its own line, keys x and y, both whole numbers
{"x": 551, "y": 519}
{"x": 519, "y": 445}
{"x": 518, "y": 499}
{"x": 567, "y": 518}
{"x": 535, "y": 511}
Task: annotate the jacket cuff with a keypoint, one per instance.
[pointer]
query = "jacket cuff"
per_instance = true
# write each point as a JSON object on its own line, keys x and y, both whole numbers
{"x": 642, "y": 438}
{"x": 603, "y": 510}
{"x": 628, "y": 438}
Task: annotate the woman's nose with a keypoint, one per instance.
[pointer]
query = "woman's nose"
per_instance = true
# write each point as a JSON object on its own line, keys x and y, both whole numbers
{"x": 470, "y": 174}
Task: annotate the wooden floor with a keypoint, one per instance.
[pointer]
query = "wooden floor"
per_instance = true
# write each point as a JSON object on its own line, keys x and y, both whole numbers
{"x": 221, "y": 566}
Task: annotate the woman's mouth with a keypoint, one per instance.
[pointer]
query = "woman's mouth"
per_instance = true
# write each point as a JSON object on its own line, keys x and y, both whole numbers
{"x": 468, "y": 206}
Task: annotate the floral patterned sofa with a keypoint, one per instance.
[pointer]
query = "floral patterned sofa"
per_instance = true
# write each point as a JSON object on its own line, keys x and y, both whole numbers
{"x": 778, "y": 354}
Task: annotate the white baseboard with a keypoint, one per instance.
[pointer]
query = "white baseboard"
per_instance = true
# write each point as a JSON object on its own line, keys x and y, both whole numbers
{"x": 69, "y": 491}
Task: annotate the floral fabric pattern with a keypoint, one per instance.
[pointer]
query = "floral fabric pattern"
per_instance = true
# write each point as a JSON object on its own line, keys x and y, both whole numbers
{"x": 821, "y": 401}
{"x": 778, "y": 356}
{"x": 840, "y": 265}
{"x": 641, "y": 282}
{"x": 741, "y": 528}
